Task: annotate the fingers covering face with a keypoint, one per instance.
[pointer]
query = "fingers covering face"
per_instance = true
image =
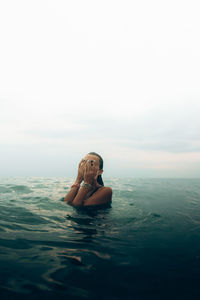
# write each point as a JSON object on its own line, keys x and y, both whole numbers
{"x": 82, "y": 162}
{"x": 91, "y": 167}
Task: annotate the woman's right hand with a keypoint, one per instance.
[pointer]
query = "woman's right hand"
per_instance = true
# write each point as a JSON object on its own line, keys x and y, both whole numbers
{"x": 81, "y": 168}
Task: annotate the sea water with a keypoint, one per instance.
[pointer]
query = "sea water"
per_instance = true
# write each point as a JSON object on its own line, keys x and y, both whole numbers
{"x": 146, "y": 245}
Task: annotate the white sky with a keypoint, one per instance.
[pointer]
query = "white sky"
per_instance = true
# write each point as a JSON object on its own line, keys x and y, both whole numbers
{"x": 117, "y": 77}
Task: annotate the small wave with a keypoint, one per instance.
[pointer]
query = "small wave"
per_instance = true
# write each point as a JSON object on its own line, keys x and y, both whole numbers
{"x": 20, "y": 215}
{"x": 20, "y": 189}
{"x": 40, "y": 186}
{"x": 4, "y": 189}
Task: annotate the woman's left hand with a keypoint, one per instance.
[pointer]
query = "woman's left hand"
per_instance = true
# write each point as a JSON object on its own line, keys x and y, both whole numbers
{"x": 90, "y": 173}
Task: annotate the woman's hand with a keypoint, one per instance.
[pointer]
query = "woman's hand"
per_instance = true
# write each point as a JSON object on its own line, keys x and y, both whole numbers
{"x": 81, "y": 169}
{"x": 90, "y": 173}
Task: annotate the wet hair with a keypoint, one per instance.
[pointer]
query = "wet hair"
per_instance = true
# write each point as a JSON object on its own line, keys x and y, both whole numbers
{"x": 99, "y": 178}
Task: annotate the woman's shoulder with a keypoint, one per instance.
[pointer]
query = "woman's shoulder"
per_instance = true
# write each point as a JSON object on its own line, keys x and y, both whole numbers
{"x": 105, "y": 188}
{"x": 104, "y": 191}
{"x": 102, "y": 196}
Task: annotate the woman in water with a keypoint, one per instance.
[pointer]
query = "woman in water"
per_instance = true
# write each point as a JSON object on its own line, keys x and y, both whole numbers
{"x": 92, "y": 191}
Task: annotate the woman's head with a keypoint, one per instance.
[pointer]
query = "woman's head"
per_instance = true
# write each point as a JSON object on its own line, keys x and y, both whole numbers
{"x": 98, "y": 161}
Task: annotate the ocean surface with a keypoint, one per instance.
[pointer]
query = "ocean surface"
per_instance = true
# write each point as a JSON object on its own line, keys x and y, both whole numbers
{"x": 146, "y": 245}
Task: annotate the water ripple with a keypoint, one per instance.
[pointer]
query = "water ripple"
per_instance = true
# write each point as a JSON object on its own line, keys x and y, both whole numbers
{"x": 148, "y": 236}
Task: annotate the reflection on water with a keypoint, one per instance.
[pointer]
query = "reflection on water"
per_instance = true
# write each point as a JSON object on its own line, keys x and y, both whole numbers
{"x": 145, "y": 245}
{"x": 79, "y": 265}
{"x": 88, "y": 222}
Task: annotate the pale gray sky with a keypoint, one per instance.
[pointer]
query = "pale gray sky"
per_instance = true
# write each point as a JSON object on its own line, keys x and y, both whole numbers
{"x": 117, "y": 77}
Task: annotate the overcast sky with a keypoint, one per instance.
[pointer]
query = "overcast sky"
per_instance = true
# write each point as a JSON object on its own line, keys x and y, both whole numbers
{"x": 121, "y": 78}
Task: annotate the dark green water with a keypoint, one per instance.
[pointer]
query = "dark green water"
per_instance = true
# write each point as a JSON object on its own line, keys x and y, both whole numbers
{"x": 145, "y": 246}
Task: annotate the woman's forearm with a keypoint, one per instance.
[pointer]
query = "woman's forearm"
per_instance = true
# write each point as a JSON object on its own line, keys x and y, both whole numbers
{"x": 80, "y": 197}
{"x": 71, "y": 195}
{"x": 73, "y": 192}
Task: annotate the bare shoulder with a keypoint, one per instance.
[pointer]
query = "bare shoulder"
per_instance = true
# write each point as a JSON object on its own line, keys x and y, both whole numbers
{"x": 101, "y": 196}
{"x": 106, "y": 189}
